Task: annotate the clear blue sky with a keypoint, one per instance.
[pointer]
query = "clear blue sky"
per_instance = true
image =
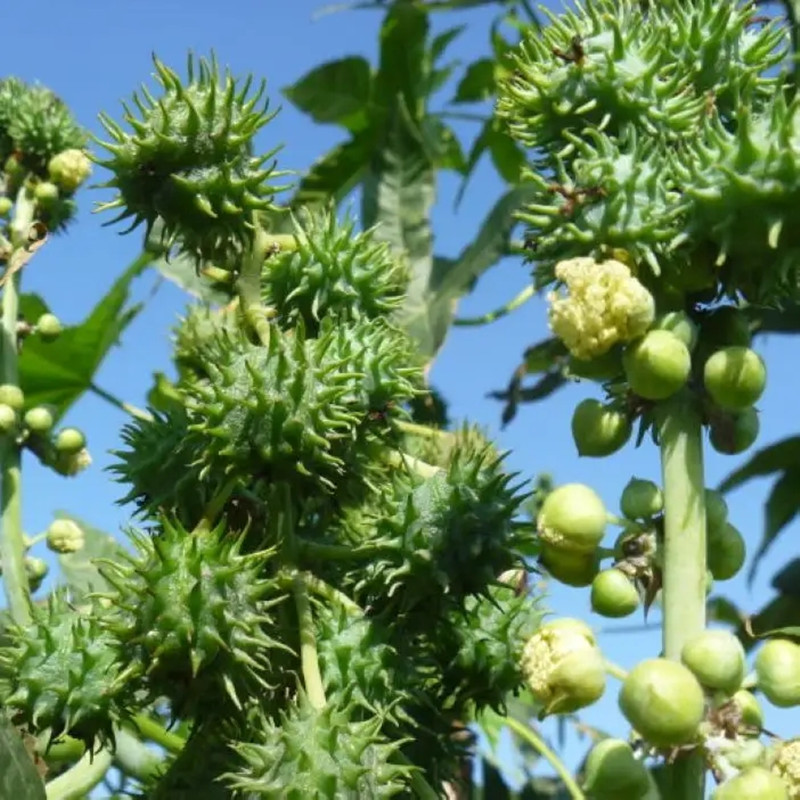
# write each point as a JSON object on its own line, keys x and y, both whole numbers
{"x": 95, "y": 54}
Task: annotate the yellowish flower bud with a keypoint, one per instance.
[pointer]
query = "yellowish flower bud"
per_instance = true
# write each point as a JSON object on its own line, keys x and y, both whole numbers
{"x": 69, "y": 169}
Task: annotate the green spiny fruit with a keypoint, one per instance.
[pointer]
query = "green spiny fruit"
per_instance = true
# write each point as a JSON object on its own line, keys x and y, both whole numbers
{"x": 161, "y": 466}
{"x": 64, "y": 671}
{"x": 39, "y": 125}
{"x": 436, "y": 447}
{"x": 294, "y": 408}
{"x": 601, "y": 64}
{"x": 616, "y": 194}
{"x": 450, "y": 536}
{"x": 333, "y": 271}
{"x": 196, "y": 614}
{"x": 741, "y": 195}
{"x": 188, "y": 161}
{"x": 195, "y": 332}
{"x": 480, "y": 647}
{"x": 11, "y": 93}
{"x": 321, "y": 753}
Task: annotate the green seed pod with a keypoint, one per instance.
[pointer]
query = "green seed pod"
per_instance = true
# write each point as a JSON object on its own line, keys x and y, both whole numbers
{"x": 599, "y": 430}
{"x": 735, "y": 378}
{"x": 752, "y": 715}
{"x": 49, "y": 327}
{"x": 37, "y": 571}
{"x": 563, "y": 667}
{"x": 614, "y": 773}
{"x": 717, "y": 660}
{"x": 65, "y": 536}
{"x": 731, "y": 434}
{"x": 46, "y": 194}
{"x": 716, "y": 509}
{"x": 680, "y": 325}
{"x": 657, "y": 365}
{"x": 569, "y": 567}
{"x": 8, "y": 418}
{"x": 752, "y": 783}
{"x": 572, "y": 517}
{"x": 777, "y": 668}
{"x": 39, "y": 419}
{"x": 725, "y": 552}
{"x": 613, "y": 594}
{"x": 641, "y": 499}
{"x": 6, "y": 204}
{"x": 663, "y": 701}
{"x": 70, "y": 441}
{"x": 12, "y": 396}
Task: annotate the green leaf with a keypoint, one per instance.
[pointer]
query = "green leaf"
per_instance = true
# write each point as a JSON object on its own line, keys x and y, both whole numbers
{"x": 478, "y": 82}
{"x": 776, "y": 457}
{"x": 442, "y": 146}
{"x": 78, "y": 569}
{"x": 441, "y": 42}
{"x": 19, "y": 777}
{"x": 337, "y": 173}
{"x": 398, "y": 194}
{"x": 787, "y": 579}
{"x": 479, "y": 147}
{"x": 58, "y": 373}
{"x": 792, "y": 630}
{"x": 782, "y": 506}
{"x": 507, "y": 157}
{"x": 404, "y": 62}
{"x": 543, "y": 356}
{"x": 336, "y": 92}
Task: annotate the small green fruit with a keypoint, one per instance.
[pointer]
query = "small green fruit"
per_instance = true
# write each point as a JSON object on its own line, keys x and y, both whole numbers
{"x": 70, "y": 441}
{"x": 641, "y": 499}
{"x": 8, "y": 418}
{"x": 563, "y": 667}
{"x": 663, "y": 701}
{"x": 46, "y": 193}
{"x": 569, "y": 567}
{"x": 65, "y": 536}
{"x": 752, "y": 783}
{"x": 727, "y": 326}
{"x": 717, "y": 660}
{"x": 12, "y": 396}
{"x": 735, "y": 377}
{"x": 716, "y": 509}
{"x": 599, "y": 430}
{"x": 572, "y": 517}
{"x": 750, "y": 709}
{"x": 6, "y": 204}
{"x": 613, "y": 594}
{"x": 657, "y": 365}
{"x": 777, "y": 668}
{"x": 745, "y": 753}
{"x": 36, "y": 570}
{"x": 731, "y": 434}
{"x": 680, "y": 325}
{"x": 726, "y": 551}
{"x": 39, "y": 419}
{"x": 614, "y": 773}
{"x": 49, "y": 327}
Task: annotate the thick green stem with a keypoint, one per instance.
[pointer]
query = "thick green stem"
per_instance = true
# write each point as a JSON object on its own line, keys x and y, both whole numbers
{"x": 312, "y": 678}
{"x": 12, "y": 537}
{"x": 78, "y": 781}
{"x": 153, "y": 731}
{"x": 684, "y": 571}
{"x": 134, "y": 758}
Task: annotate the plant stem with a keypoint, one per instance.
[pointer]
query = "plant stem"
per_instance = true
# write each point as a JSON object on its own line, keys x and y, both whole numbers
{"x": 540, "y": 746}
{"x": 154, "y": 732}
{"x": 336, "y": 552}
{"x": 332, "y": 595}
{"x": 12, "y": 538}
{"x": 615, "y": 670}
{"x": 415, "y": 429}
{"x": 403, "y": 460}
{"x": 135, "y": 758}
{"x": 79, "y": 780}
{"x": 312, "y": 679}
{"x": 512, "y": 305}
{"x": 684, "y": 572}
{"x": 128, "y": 408}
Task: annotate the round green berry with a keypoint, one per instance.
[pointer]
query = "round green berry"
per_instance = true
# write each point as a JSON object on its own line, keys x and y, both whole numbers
{"x": 614, "y": 773}
{"x": 39, "y": 419}
{"x": 49, "y": 327}
{"x": 641, "y": 499}
{"x": 6, "y": 204}
{"x": 680, "y": 325}
{"x": 613, "y": 594}
{"x": 717, "y": 660}
{"x": 657, "y": 365}
{"x": 572, "y": 517}
{"x": 12, "y": 396}
{"x": 731, "y": 434}
{"x": 735, "y": 378}
{"x": 8, "y": 418}
{"x": 777, "y": 668}
{"x": 568, "y": 567}
{"x": 726, "y": 551}
{"x": 599, "y": 430}
{"x": 69, "y": 441}
{"x": 752, "y": 783}
{"x": 46, "y": 193}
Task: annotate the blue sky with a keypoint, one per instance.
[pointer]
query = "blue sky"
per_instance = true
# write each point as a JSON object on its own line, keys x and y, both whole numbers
{"x": 94, "y": 58}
